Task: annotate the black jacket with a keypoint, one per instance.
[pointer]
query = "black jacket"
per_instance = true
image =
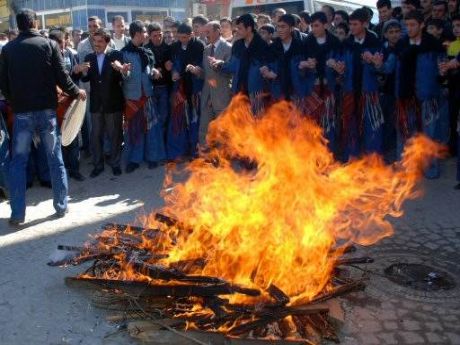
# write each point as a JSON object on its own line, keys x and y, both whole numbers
{"x": 106, "y": 93}
{"x": 162, "y": 55}
{"x": 30, "y": 68}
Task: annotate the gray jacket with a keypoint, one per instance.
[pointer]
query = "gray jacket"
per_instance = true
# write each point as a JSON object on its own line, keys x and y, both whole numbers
{"x": 138, "y": 82}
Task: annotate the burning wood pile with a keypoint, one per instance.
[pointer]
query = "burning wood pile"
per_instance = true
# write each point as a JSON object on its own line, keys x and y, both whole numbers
{"x": 253, "y": 250}
{"x": 200, "y": 302}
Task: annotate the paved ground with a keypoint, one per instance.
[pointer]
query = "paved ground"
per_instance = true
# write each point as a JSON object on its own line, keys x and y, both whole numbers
{"x": 37, "y": 308}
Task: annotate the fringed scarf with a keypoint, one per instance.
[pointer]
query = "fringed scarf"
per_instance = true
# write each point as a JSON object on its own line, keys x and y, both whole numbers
{"x": 184, "y": 109}
{"x": 136, "y": 119}
{"x": 258, "y": 103}
{"x": 408, "y": 116}
{"x": 320, "y": 106}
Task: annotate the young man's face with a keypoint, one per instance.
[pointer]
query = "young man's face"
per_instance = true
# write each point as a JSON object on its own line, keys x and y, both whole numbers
{"x": 93, "y": 25}
{"x": 414, "y": 28}
{"x": 226, "y": 28}
{"x": 318, "y": 29}
{"x": 184, "y": 38}
{"x": 434, "y": 31}
{"x": 266, "y": 36}
{"x": 393, "y": 35}
{"x": 357, "y": 27}
{"x": 284, "y": 30}
{"x": 438, "y": 12}
{"x": 341, "y": 35}
{"x": 119, "y": 27}
{"x": 99, "y": 44}
{"x": 156, "y": 37}
{"x": 338, "y": 19}
{"x": 426, "y": 5}
{"x": 452, "y": 4}
{"x": 456, "y": 28}
{"x": 406, "y": 8}
{"x": 198, "y": 29}
{"x": 140, "y": 37}
{"x": 168, "y": 37}
{"x": 76, "y": 37}
{"x": 384, "y": 14}
{"x": 304, "y": 26}
{"x": 243, "y": 32}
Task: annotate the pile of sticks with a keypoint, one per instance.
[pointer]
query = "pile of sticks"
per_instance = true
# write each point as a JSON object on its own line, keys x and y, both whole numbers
{"x": 171, "y": 293}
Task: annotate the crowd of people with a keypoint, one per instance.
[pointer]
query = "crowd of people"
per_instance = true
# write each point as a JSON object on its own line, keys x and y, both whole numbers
{"x": 153, "y": 88}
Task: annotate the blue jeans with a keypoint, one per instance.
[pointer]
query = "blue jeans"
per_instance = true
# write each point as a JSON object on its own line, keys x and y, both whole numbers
{"x": 43, "y": 122}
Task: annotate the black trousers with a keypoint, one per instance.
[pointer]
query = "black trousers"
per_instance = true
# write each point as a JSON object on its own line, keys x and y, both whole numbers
{"x": 109, "y": 124}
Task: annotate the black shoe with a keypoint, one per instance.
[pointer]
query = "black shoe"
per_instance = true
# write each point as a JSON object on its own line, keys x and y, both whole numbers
{"x": 153, "y": 165}
{"x": 96, "y": 172}
{"x": 116, "y": 171}
{"x": 131, "y": 167}
{"x": 46, "y": 184}
{"x": 61, "y": 214}
{"x": 77, "y": 176}
{"x": 457, "y": 187}
{"x": 15, "y": 222}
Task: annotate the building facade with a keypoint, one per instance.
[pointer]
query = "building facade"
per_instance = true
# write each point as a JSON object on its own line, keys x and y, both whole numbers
{"x": 75, "y": 13}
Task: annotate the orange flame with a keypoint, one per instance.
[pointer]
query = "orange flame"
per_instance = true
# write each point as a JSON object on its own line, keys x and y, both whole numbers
{"x": 278, "y": 224}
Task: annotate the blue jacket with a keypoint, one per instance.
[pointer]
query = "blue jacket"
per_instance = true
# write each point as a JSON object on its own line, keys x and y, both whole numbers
{"x": 138, "y": 82}
{"x": 417, "y": 70}
{"x": 256, "y": 56}
{"x": 360, "y": 76}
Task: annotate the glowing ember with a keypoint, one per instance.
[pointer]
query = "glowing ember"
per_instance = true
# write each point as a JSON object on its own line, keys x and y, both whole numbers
{"x": 278, "y": 224}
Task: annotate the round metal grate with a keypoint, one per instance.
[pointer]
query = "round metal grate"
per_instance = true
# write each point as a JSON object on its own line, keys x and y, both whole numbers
{"x": 419, "y": 277}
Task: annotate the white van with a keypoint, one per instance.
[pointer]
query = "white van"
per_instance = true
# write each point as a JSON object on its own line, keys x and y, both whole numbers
{"x": 239, "y": 7}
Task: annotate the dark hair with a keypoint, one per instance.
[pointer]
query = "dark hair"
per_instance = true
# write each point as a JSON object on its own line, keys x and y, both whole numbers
{"x": 105, "y": 34}
{"x": 297, "y": 19}
{"x": 415, "y": 15}
{"x": 115, "y": 18}
{"x": 397, "y": 13}
{"x": 269, "y": 28}
{"x": 56, "y": 35}
{"x": 305, "y": 16}
{"x": 84, "y": 35}
{"x": 74, "y": 31}
{"x": 247, "y": 20}
{"x": 200, "y": 19}
{"x": 184, "y": 28}
{"x": 215, "y": 25}
{"x": 344, "y": 27}
{"x": 343, "y": 14}
{"x": 135, "y": 27}
{"x": 288, "y": 19}
{"x": 384, "y": 3}
{"x": 415, "y": 3}
{"x": 153, "y": 27}
{"x": 442, "y": 3}
{"x": 360, "y": 14}
{"x": 438, "y": 23}
{"x": 94, "y": 18}
{"x": 225, "y": 20}
{"x": 455, "y": 18}
{"x": 176, "y": 24}
{"x": 330, "y": 8}
{"x": 369, "y": 11}
{"x": 25, "y": 19}
{"x": 319, "y": 17}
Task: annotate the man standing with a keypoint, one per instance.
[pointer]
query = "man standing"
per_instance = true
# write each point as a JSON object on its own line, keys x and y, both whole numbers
{"x": 183, "y": 129}
{"x": 144, "y": 134}
{"x": 198, "y": 24}
{"x": 118, "y": 27}
{"x": 216, "y": 93}
{"x": 76, "y": 38}
{"x": 34, "y": 105}
{"x": 418, "y": 88}
{"x": 106, "y": 102}
{"x": 249, "y": 54}
{"x": 329, "y": 11}
{"x": 384, "y": 8}
{"x": 162, "y": 82}
{"x": 362, "y": 115}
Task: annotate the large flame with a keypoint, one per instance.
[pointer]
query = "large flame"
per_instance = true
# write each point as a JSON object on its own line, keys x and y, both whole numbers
{"x": 278, "y": 224}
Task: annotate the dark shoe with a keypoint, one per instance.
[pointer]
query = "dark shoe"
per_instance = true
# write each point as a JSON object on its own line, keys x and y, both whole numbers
{"x": 46, "y": 184}
{"x": 131, "y": 167}
{"x": 61, "y": 214}
{"x": 116, "y": 171}
{"x": 153, "y": 165}
{"x": 15, "y": 222}
{"x": 457, "y": 187}
{"x": 96, "y": 172}
{"x": 77, "y": 176}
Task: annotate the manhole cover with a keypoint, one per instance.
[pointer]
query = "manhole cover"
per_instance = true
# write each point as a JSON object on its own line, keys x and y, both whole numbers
{"x": 413, "y": 275}
{"x": 419, "y": 277}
